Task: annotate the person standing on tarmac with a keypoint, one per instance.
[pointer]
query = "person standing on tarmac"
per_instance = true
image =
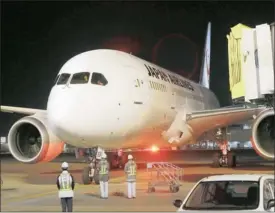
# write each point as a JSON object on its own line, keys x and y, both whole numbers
{"x": 65, "y": 184}
{"x": 103, "y": 167}
{"x": 130, "y": 170}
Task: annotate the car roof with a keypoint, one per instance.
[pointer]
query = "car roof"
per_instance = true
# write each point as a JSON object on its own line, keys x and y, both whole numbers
{"x": 236, "y": 177}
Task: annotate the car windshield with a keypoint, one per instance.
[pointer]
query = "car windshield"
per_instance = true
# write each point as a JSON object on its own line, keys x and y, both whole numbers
{"x": 224, "y": 195}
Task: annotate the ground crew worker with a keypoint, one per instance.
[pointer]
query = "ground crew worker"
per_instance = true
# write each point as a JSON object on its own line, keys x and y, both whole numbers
{"x": 65, "y": 184}
{"x": 103, "y": 167}
{"x": 130, "y": 170}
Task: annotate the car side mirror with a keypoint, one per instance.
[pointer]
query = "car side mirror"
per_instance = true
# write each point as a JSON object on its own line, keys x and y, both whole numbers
{"x": 270, "y": 204}
{"x": 177, "y": 203}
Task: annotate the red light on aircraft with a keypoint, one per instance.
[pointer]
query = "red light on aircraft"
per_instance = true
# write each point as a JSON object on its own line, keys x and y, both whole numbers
{"x": 154, "y": 148}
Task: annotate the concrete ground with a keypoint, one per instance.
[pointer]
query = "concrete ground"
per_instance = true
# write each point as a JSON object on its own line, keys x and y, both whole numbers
{"x": 31, "y": 187}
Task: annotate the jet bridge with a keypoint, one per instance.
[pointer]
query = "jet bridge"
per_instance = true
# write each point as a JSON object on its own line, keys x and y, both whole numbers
{"x": 251, "y": 63}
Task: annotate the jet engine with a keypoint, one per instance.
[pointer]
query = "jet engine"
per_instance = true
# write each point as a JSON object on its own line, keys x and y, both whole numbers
{"x": 31, "y": 140}
{"x": 263, "y": 134}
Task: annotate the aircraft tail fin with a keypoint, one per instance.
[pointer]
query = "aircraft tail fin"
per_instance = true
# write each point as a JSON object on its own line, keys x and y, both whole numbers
{"x": 205, "y": 67}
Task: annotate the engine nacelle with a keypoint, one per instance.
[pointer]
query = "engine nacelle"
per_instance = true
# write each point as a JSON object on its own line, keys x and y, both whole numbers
{"x": 31, "y": 140}
{"x": 263, "y": 140}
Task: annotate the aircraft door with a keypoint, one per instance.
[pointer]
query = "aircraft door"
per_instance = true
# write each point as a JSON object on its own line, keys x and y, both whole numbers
{"x": 174, "y": 105}
{"x": 131, "y": 104}
{"x": 180, "y": 100}
{"x": 139, "y": 99}
{"x": 139, "y": 94}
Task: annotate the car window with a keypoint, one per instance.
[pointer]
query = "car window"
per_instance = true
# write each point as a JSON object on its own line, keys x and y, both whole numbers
{"x": 219, "y": 195}
{"x": 268, "y": 191}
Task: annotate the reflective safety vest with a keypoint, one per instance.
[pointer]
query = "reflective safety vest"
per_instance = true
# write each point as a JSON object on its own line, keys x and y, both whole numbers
{"x": 65, "y": 182}
{"x": 103, "y": 170}
{"x": 132, "y": 169}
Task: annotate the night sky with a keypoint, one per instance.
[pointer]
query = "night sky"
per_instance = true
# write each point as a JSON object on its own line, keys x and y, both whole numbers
{"x": 37, "y": 38}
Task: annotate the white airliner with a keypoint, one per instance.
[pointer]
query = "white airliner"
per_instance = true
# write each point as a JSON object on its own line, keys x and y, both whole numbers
{"x": 114, "y": 100}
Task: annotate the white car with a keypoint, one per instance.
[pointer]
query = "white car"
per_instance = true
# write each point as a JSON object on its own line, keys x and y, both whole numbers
{"x": 236, "y": 192}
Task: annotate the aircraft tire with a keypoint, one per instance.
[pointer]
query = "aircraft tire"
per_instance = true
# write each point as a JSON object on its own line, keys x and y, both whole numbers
{"x": 174, "y": 188}
{"x": 85, "y": 176}
{"x": 151, "y": 189}
{"x": 216, "y": 160}
{"x": 117, "y": 162}
{"x": 231, "y": 160}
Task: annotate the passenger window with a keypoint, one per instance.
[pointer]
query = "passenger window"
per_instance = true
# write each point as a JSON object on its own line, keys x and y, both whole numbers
{"x": 154, "y": 85}
{"x": 64, "y": 77}
{"x": 137, "y": 84}
{"x": 99, "y": 79}
{"x": 80, "y": 78}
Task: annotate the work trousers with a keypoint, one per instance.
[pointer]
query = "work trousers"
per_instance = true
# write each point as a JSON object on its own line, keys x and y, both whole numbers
{"x": 131, "y": 189}
{"x": 103, "y": 189}
{"x": 67, "y": 204}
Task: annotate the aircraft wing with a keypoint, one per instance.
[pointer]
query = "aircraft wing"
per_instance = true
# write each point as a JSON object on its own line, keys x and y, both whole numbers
{"x": 21, "y": 110}
{"x": 204, "y": 121}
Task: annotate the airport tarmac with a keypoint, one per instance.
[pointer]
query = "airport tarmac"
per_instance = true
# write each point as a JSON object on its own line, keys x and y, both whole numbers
{"x": 31, "y": 187}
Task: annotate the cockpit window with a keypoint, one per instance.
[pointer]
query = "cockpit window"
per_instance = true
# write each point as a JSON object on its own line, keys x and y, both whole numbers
{"x": 99, "y": 79}
{"x": 64, "y": 77}
{"x": 80, "y": 78}
{"x": 55, "y": 80}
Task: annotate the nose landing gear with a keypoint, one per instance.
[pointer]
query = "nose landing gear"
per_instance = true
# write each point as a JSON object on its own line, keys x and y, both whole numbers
{"x": 225, "y": 157}
{"x": 91, "y": 174}
{"x": 221, "y": 160}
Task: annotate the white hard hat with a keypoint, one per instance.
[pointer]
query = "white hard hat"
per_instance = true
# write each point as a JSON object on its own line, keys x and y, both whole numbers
{"x": 64, "y": 165}
{"x": 104, "y": 155}
{"x": 130, "y": 157}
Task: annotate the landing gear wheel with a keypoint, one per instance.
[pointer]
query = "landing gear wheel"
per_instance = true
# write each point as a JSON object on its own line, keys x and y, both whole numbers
{"x": 174, "y": 188}
{"x": 231, "y": 160}
{"x": 85, "y": 176}
{"x": 118, "y": 162}
{"x": 216, "y": 160}
{"x": 151, "y": 189}
{"x": 113, "y": 163}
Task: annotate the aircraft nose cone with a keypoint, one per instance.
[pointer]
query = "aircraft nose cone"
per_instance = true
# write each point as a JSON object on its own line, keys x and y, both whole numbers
{"x": 59, "y": 111}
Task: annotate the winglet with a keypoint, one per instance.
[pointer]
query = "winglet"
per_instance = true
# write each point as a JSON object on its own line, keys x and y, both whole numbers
{"x": 205, "y": 68}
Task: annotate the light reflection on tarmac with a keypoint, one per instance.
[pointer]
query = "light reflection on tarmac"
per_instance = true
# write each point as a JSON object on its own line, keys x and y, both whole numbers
{"x": 31, "y": 187}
